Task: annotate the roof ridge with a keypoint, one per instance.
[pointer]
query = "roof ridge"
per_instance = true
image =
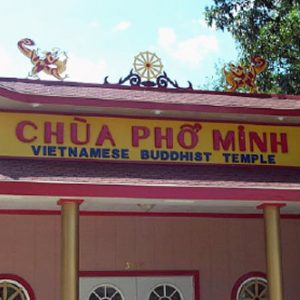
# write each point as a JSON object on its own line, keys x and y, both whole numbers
{"x": 148, "y": 89}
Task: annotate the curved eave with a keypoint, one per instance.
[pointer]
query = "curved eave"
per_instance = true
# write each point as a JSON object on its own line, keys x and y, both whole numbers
{"x": 148, "y": 191}
{"x": 143, "y": 102}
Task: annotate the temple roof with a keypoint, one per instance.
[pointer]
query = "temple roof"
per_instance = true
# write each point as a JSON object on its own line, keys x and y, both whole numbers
{"x": 82, "y": 98}
{"x": 66, "y": 93}
{"x": 149, "y": 174}
{"x": 70, "y": 94}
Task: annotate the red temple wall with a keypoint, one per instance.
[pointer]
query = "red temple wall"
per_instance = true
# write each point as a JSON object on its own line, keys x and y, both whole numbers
{"x": 221, "y": 249}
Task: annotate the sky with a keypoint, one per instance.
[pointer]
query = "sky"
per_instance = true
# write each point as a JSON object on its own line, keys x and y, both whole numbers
{"x": 101, "y": 38}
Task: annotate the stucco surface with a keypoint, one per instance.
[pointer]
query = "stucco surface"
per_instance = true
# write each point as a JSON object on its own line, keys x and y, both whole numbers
{"x": 220, "y": 249}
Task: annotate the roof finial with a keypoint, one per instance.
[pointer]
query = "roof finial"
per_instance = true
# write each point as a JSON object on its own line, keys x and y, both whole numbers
{"x": 147, "y": 65}
{"x": 245, "y": 76}
{"x": 51, "y": 62}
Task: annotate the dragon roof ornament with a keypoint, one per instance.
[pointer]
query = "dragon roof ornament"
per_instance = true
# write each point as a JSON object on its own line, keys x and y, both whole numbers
{"x": 51, "y": 62}
{"x": 148, "y": 72}
{"x": 244, "y": 76}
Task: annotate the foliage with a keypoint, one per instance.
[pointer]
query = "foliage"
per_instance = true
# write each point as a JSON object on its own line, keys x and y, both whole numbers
{"x": 217, "y": 81}
{"x": 270, "y": 28}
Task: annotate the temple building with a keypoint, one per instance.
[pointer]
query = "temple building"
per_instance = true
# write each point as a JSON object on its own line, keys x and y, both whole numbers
{"x": 118, "y": 192}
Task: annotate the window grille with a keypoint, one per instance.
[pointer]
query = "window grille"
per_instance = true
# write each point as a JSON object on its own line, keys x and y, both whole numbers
{"x": 106, "y": 292}
{"x": 165, "y": 292}
{"x": 253, "y": 288}
{"x": 12, "y": 290}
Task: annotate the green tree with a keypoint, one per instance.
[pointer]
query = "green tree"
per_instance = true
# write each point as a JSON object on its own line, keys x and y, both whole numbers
{"x": 270, "y": 28}
{"x": 217, "y": 81}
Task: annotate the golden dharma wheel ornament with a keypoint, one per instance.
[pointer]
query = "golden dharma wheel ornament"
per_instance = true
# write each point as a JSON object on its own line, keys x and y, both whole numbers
{"x": 148, "y": 72}
{"x": 147, "y": 65}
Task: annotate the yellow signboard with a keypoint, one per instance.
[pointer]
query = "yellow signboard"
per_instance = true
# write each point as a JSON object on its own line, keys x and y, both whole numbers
{"x": 101, "y": 138}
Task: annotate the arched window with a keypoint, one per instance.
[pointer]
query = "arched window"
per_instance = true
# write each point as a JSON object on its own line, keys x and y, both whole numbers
{"x": 13, "y": 287}
{"x": 251, "y": 286}
{"x": 165, "y": 292}
{"x": 106, "y": 292}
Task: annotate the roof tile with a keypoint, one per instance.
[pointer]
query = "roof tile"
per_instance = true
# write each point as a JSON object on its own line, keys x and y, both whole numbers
{"x": 169, "y": 96}
{"x": 149, "y": 174}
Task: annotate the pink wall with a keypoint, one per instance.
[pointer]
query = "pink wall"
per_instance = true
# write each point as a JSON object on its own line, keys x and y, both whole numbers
{"x": 221, "y": 249}
{"x": 30, "y": 248}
